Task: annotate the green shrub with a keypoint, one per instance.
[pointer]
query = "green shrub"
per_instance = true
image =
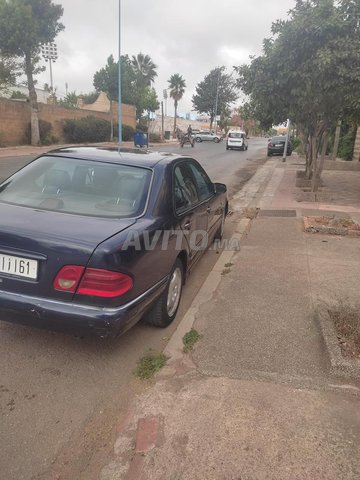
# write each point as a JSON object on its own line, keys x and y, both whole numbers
{"x": 346, "y": 145}
{"x": 127, "y": 132}
{"x": 45, "y": 129}
{"x": 155, "y": 138}
{"x": 87, "y": 129}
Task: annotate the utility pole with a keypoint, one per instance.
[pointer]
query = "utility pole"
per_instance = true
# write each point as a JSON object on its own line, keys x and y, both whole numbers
{"x": 165, "y": 95}
{"x": 162, "y": 121}
{"x": 119, "y": 92}
{"x": 217, "y": 98}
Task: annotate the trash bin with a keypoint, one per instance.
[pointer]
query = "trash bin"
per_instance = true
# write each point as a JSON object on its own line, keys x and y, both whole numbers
{"x": 141, "y": 139}
{"x": 167, "y": 135}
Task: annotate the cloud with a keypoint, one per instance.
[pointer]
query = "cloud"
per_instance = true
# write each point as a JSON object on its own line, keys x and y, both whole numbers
{"x": 189, "y": 38}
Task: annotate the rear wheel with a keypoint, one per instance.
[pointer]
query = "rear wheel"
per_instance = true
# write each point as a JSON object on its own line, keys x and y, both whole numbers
{"x": 198, "y": 139}
{"x": 164, "y": 310}
{"x": 216, "y": 140}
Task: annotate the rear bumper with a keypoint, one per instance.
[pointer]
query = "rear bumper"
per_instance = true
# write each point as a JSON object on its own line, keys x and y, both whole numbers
{"x": 278, "y": 150}
{"x": 76, "y": 318}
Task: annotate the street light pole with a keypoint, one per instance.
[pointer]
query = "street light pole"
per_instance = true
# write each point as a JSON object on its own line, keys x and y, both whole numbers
{"x": 49, "y": 52}
{"x": 119, "y": 93}
{"x": 217, "y": 98}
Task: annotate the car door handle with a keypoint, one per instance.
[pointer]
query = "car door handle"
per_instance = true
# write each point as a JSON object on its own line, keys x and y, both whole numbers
{"x": 187, "y": 225}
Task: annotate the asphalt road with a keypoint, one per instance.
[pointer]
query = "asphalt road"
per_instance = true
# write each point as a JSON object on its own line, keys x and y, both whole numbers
{"x": 61, "y": 397}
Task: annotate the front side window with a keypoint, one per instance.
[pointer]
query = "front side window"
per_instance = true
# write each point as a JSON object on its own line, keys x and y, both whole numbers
{"x": 186, "y": 194}
{"x": 81, "y": 187}
{"x": 204, "y": 185}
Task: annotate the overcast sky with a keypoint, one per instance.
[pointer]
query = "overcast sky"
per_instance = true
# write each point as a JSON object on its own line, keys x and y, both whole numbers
{"x": 186, "y": 37}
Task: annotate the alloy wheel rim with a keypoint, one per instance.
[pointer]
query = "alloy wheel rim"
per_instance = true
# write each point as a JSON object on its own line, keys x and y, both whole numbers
{"x": 174, "y": 292}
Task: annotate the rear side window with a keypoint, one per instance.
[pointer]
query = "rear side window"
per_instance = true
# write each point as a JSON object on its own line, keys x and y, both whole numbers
{"x": 81, "y": 187}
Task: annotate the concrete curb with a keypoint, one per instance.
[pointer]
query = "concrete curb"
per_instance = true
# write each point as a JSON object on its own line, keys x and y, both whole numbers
{"x": 339, "y": 365}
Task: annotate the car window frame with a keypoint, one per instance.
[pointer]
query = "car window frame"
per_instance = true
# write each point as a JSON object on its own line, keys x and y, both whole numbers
{"x": 200, "y": 202}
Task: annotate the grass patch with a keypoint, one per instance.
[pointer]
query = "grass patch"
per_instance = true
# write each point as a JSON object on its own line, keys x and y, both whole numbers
{"x": 228, "y": 265}
{"x": 189, "y": 340}
{"x": 346, "y": 318}
{"x": 149, "y": 364}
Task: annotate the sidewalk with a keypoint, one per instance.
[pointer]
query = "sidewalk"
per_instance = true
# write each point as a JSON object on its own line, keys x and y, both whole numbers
{"x": 256, "y": 399}
{"x": 33, "y": 150}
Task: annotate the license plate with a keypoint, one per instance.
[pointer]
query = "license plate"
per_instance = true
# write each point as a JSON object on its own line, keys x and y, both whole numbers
{"x": 19, "y": 266}
{"x": 279, "y": 145}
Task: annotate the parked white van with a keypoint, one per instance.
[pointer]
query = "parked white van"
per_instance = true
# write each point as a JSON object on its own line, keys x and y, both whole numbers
{"x": 236, "y": 139}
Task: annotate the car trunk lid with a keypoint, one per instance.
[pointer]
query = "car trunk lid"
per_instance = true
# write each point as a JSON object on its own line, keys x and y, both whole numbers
{"x": 35, "y": 244}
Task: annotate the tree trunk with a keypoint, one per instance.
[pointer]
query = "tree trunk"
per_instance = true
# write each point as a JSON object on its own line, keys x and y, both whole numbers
{"x": 309, "y": 157}
{"x": 111, "y": 122}
{"x": 317, "y": 173}
{"x": 175, "y": 114}
{"x": 34, "y": 112}
{"x": 336, "y": 141}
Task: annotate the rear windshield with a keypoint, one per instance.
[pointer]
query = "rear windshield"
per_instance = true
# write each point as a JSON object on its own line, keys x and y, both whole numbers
{"x": 81, "y": 187}
{"x": 236, "y": 135}
{"x": 278, "y": 139}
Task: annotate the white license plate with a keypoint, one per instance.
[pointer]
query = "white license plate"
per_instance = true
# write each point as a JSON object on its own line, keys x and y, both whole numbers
{"x": 22, "y": 267}
{"x": 279, "y": 145}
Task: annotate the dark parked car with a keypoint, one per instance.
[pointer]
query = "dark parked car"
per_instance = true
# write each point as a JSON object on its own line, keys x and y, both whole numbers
{"x": 276, "y": 146}
{"x": 91, "y": 239}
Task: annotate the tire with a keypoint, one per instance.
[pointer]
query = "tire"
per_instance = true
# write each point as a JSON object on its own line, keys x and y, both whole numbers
{"x": 227, "y": 148}
{"x": 269, "y": 154}
{"x": 161, "y": 313}
{"x": 216, "y": 140}
{"x": 198, "y": 139}
{"x": 220, "y": 231}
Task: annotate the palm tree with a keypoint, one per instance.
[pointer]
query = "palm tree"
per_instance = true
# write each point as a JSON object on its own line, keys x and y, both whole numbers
{"x": 144, "y": 69}
{"x": 177, "y": 88}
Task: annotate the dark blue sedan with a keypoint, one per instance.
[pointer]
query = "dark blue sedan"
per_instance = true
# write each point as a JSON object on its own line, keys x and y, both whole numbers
{"x": 93, "y": 239}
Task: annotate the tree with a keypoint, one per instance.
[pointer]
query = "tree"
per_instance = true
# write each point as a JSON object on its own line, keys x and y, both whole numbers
{"x": 309, "y": 72}
{"x": 144, "y": 69}
{"x": 25, "y": 25}
{"x": 215, "y": 94}
{"x": 69, "y": 101}
{"x": 8, "y": 73}
{"x": 148, "y": 101}
{"x": 177, "y": 87}
{"x": 106, "y": 80}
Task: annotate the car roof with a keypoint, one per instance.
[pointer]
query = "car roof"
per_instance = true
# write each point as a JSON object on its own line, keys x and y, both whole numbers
{"x": 130, "y": 156}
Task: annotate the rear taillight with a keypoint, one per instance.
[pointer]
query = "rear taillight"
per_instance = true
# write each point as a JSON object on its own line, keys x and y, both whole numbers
{"x": 271, "y": 144}
{"x": 92, "y": 281}
{"x": 104, "y": 283}
{"x": 68, "y": 278}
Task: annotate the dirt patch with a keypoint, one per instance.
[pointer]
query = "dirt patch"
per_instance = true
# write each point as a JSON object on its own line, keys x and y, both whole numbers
{"x": 331, "y": 225}
{"x": 346, "y": 320}
{"x": 244, "y": 174}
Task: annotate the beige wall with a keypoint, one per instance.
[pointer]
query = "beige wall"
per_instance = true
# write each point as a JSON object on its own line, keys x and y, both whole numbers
{"x": 15, "y": 119}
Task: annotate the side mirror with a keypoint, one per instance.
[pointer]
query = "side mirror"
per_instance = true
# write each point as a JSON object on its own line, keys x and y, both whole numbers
{"x": 220, "y": 188}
